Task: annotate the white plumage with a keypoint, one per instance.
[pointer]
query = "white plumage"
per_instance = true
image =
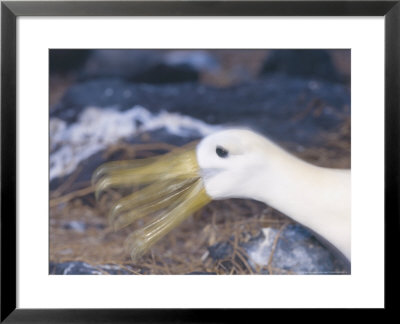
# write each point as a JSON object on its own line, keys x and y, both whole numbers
{"x": 253, "y": 167}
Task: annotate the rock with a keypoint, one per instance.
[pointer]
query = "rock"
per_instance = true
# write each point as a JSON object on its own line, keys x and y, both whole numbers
{"x": 83, "y": 142}
{"x": 67, "y": 61}
{"x": 80, "y": 226}
{"x": 163, "y": 73}
{"x": 220, "y": 250}
{"x": 83, "y": 268}
{"x": 306, "y": 63}
{"x": 281, "y": 107}
{"x": 138, "y": 66}
{"x": 196, "y": 59}
{"x": 297, "y": 251}
{"x": 77, "y": 226}
{"x": 223, "y": 253}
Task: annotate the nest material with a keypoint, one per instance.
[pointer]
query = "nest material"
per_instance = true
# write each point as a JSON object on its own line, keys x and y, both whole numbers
{"x": 79, "y": 229}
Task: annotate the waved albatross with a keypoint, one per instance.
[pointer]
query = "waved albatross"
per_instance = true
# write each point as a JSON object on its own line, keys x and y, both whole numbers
{"x": 233, "y": 163}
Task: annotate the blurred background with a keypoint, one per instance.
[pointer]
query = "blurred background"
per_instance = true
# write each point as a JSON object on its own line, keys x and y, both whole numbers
{"x": 125, "y": 104}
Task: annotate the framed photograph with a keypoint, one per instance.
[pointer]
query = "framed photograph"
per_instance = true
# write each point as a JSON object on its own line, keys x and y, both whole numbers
{"x": 164, "y": 158}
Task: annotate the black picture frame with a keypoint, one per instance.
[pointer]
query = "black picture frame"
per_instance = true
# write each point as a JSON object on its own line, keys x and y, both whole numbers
{"x": 10, "y": 10}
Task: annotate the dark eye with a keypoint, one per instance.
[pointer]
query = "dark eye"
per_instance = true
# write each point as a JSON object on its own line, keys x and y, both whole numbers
{"x": 221, "y": 152}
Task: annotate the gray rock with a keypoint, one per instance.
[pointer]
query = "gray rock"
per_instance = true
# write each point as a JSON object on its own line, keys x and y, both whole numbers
{"x": 77, "y": 226}
{"x": 139, "y": 66}
{"x": 302, "y": 63}
{"x": 82, "y": 268}
{"x": 281, "y": 107}
{"x": 297, "y": 251}
{"x": 80, "y": 226}
{"x": 64, "y": 61}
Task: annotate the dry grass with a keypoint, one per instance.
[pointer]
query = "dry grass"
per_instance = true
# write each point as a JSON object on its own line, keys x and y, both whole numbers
{"x": 185, "y": 249}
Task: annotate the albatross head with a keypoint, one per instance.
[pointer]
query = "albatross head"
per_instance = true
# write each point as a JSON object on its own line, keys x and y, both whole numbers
{"x": 230, "y": 161}
{"x": 173, "y": 186}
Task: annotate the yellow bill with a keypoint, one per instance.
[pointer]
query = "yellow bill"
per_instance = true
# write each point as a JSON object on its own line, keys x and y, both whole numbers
{"x": 170, "y": 190}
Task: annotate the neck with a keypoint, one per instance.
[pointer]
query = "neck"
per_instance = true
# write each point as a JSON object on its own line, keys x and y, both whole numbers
{"x": 316, "y": 197}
